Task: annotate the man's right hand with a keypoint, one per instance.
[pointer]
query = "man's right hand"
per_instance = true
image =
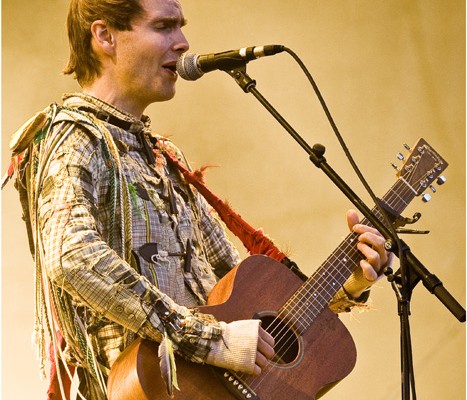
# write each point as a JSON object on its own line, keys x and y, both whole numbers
{"x": 264, "y": 352}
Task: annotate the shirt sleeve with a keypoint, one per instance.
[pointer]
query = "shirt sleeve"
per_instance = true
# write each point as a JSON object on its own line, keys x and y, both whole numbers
{"x": 344, "y": 302}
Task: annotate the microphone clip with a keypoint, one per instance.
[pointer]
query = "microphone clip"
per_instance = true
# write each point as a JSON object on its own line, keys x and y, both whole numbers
{"x": 242, "y": 78}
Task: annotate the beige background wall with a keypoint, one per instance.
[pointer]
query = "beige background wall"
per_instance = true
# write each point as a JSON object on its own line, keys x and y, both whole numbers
{"x": 391, "y": 71}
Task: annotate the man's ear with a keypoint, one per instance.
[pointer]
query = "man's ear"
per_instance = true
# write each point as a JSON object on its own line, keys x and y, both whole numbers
{"x": 103, "y": 38}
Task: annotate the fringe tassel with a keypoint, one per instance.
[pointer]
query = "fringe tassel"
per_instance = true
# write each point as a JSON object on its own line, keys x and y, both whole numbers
{"x": 167, "y": 365}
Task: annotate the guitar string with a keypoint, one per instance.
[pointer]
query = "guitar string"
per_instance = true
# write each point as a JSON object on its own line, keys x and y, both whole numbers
{"x": 281, "y": 334}
{"x": 320, "y": 275}
{"x": 393, "y": 195}
{"x": 320, "y": 281}
{"x": 335, "y": 256}
{"x": 307, "y": 305}
{"x": 291, "y": 339}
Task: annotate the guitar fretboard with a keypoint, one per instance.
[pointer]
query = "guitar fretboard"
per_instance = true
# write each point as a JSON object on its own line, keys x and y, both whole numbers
{"x": 316, "y": 293}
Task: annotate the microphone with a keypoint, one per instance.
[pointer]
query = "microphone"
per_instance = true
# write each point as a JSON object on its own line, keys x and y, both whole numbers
{"x": 193, "y": 66}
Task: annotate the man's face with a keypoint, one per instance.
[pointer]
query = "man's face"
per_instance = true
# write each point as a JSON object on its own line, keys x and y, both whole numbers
{"x": 146, "y": 56}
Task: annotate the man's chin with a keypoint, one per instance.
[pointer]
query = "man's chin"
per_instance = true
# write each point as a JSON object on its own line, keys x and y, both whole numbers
{"x": 166, "y": 96}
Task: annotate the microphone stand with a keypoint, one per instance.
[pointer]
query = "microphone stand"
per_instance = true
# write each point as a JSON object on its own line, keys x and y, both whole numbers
{"x": 404, "y": 280}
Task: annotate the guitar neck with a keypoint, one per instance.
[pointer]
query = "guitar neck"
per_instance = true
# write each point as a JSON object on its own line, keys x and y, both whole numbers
{"x": 316, "y": 293}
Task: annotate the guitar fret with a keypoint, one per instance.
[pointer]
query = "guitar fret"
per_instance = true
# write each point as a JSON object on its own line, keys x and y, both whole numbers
{"x": 422, "y": 167}
{"x": 316, "y": 293}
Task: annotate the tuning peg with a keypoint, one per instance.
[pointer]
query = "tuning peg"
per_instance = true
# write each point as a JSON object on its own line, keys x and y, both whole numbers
{"x": 433, "y": 189}
{"x": 400, "y": 156}
{"x": 407, "y": 147}
{"x": 395, "y": 167}
{"x": 426, "y": 198}
{"x": 421, "y": 149}
{"x": 441, "y": 180}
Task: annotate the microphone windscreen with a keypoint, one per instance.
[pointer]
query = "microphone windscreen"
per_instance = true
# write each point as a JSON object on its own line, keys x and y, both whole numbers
{"x": 187, "y": 67}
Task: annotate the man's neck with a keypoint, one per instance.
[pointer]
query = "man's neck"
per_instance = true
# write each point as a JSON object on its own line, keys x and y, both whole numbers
{"x": 107, "y": 93}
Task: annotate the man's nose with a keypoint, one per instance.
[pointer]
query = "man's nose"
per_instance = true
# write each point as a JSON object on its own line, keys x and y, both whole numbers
{"x": 181, "y": 43}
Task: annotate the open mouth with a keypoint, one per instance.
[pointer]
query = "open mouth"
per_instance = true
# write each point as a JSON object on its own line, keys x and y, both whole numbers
{"x": 171, "y": 67}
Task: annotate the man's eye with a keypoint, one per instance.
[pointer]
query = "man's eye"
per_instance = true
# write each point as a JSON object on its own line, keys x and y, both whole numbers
{"x": 165, "y": 26}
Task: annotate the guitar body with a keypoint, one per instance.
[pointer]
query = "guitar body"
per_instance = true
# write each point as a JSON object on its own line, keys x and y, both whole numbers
{"x": 315, "y": 359}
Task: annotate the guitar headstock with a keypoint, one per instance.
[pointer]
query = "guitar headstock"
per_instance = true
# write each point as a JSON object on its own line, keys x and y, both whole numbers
{"x": 421, "y": 167}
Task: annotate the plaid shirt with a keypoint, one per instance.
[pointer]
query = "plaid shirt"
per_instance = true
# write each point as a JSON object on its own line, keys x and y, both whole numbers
{"x": 101, "y": 292}
{"x": 178, "y": 244}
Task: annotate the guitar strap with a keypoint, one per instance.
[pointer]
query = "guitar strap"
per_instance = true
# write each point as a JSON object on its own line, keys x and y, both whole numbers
{"x": 254, "y": 240}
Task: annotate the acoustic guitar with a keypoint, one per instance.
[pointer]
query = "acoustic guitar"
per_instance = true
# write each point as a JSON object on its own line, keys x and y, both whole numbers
{"x": 314, "y": 350}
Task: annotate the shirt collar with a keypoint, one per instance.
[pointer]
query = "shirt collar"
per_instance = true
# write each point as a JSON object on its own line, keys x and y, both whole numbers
{"x": 98, "y": 106}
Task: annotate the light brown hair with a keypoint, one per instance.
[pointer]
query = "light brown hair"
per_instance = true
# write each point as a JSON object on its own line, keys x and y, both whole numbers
{"x": 118, "y": 14}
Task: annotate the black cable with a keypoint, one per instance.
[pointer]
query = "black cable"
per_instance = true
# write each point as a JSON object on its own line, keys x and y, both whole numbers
{"x": 407, "y": 360}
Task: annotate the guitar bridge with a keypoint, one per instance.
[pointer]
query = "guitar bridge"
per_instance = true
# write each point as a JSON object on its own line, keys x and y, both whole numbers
{"x": 235, "y": 385}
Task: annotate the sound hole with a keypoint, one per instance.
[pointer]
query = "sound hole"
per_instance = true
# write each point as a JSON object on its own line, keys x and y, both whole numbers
{"x": 286, "y": 344}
